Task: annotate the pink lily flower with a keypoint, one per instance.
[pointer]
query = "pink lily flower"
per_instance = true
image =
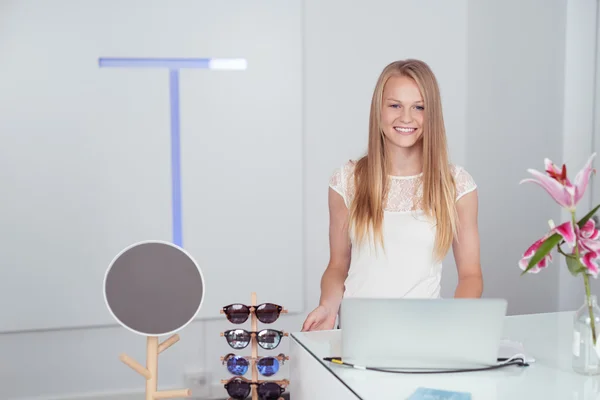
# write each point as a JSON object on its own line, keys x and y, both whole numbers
{"x": 590, "y": 261}
{"x": 589, "y": 247}
{"x": 588, "y": 237}
{"x": 524, "y": 261}
{"x": 558, "y": 185}
{"x": 566, "y": 230}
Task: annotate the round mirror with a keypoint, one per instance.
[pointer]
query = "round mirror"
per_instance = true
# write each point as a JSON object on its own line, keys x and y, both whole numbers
{"x": 153, "y": 288}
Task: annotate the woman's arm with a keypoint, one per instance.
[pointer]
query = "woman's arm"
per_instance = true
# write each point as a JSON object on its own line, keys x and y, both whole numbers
{"x": 332, "y": 282}
{"x": 466, "y": 248}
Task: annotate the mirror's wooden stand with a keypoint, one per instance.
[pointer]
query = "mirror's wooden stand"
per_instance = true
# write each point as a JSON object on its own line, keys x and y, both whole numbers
{"x": 150, "y": 372}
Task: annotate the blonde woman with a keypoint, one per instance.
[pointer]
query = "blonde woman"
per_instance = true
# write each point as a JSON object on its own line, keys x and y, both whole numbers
{"x": 396, "y": 212}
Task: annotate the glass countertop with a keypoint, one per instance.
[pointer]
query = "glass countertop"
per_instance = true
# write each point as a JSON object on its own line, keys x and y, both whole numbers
{"x": 546, "y": 337}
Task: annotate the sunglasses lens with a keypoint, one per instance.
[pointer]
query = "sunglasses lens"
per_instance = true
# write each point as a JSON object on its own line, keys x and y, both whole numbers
{"x": 267, "y": 313}
{"x": 237, "y": 365}
{"x": 238, "y": 338}
{"x": 237, "y": 313}
{"x": 268, "y": 339}
{"x": 269, "y": 391}
{"x": 268, "y": 366}
{"x": 238, "y": 389}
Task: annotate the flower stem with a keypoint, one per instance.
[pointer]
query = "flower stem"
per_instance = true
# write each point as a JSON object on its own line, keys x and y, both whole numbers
{"x": 561, "y": 251}
{"x": 586, "y": 281}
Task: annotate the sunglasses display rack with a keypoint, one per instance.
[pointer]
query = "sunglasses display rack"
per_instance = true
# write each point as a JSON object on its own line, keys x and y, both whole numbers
{"x": 238, "y": 387}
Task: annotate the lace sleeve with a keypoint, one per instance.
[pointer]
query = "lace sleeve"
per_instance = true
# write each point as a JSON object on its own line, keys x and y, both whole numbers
{"x": 342, "y": 181}
{"x": 464, "y": 183}
{"x": 336, "y": 182}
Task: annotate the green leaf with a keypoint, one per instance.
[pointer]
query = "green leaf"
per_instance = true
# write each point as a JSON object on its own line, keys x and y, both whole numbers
{"x": 553, "y": 241}
{"x": 589, "y": 215}
{"x": 542, "y": 251}
{"x": 574, "y": 265}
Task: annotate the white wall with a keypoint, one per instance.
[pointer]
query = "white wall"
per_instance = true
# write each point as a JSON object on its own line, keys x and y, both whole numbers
{"x": 499, "y": 96}
{"x": 91, "y": 171}
{"x": 578, "y": 124}
{"x": 515, "y": 120}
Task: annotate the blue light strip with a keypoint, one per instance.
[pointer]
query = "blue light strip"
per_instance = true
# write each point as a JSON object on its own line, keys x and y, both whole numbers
{"x": 174, "y": 65}
{"x": 176, "y": 158}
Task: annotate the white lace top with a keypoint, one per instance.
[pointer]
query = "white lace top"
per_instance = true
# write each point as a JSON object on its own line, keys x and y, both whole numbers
{"x": 407, "y": 268}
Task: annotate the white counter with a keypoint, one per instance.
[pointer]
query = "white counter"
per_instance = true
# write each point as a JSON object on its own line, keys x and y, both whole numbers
{"x": 546, "y": 337}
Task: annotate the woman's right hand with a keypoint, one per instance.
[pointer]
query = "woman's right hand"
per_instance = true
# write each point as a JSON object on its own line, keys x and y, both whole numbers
{"x": 332, "y": 283}
{"x": 320, "y": 319}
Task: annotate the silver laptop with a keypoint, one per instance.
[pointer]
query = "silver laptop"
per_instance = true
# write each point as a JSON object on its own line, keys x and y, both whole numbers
{"x": 422, "y": 333}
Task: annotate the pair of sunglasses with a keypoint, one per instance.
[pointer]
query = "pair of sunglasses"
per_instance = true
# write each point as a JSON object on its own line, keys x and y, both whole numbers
{"x": 266, "y": 366}
{"x": 268, "y": 339}
{"x": 239, "y": 388}
{"x": 267, "y": 313}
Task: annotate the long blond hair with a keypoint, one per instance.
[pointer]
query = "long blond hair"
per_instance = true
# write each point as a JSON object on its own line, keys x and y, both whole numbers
{"x": 371, "y": 171}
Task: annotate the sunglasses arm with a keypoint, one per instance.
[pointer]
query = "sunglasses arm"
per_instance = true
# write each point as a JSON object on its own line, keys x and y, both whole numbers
{"x": 283, "y": 358}
{"x": 226, "y": 357}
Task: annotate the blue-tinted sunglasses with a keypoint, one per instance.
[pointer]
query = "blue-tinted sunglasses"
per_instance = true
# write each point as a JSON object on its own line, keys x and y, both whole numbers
{"x": 266, "y": 366}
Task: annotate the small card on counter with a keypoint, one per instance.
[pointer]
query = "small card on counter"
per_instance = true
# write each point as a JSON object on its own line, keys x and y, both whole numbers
{"x": 423, "y": 393}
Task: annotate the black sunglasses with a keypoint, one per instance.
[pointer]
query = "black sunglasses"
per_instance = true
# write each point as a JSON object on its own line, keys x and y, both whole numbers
{"x": 239, "y": 388}
{"x": 268, "y": 339}
{"x": 267, "y": 313}
{"x": 266, "y": 366}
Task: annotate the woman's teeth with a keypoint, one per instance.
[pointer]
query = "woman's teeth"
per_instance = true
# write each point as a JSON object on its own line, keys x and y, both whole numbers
{"x": 405, "y": 130}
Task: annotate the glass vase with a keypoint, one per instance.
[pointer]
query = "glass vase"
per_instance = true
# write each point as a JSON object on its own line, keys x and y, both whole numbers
{"x": 585, "y": 357}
